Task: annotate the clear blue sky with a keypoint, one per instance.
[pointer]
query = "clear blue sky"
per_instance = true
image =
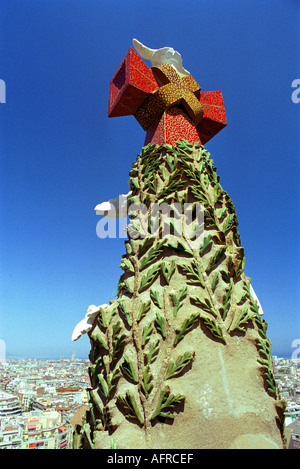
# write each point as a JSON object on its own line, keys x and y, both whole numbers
{"x": 61, "y": 155}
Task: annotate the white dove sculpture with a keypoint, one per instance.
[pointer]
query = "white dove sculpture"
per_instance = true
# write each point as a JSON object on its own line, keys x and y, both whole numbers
{"x": 260, "y": 310}
{"x": 86, "y": 324}
{"x": 161, "y": 56}
{"x": 114, "y": 208}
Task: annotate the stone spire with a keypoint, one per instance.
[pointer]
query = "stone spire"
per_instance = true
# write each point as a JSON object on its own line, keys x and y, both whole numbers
{"x": 180, "y": 359}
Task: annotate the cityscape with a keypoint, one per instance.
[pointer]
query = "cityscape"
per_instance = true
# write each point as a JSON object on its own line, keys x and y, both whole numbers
{"x": 42, "y": 401}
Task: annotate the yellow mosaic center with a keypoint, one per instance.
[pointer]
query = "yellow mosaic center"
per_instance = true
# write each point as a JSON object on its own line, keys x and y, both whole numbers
{"x": 173, "y": 90}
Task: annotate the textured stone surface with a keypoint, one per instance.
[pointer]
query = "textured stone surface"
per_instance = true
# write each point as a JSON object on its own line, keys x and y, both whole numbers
{"x": 181, "y": 358}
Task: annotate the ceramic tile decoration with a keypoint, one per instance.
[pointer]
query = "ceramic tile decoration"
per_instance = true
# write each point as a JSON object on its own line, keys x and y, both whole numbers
{"x": 166, "y": 105}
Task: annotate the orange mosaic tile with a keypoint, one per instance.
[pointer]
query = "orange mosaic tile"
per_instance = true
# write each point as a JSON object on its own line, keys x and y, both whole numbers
{"x": 167, "y": 106}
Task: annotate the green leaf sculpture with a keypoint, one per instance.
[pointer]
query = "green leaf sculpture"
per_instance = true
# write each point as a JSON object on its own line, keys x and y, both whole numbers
{"x": 172, "y": 294}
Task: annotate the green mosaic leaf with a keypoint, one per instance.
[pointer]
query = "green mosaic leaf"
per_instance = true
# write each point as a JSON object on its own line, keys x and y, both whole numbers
{"x": 226, "y": 302}
{"x": 228, "y": 223}
{"x": 134, "y": 182}
{"x": 218, "y": 194}
{"x": 222, "y": 213}
{"x": 242, "y": 298}
{"x": 144, "y": 310}
{"x": 163, "y": 172}
{"x": 166, "y": 401}
{"x": 126, "y": 264}
{"x": 209, "y": 219}
{"x": 172, "y": 185}
{"x": 172, "y": 164}
{"x": 173, "y": 227}
{"x": 241, "y": 320}
{"x": 177, "y": 300}
{"x": 146, "y": 333}
{"x": 215, "y": 258}
{"x": 129, "y": 403}
{"x": 152, "y": 254}
{"x": 155, "y": 298}
{"x": 149, "y": 278}
{"x": 87, "y": 431}
{"x": 207, "y": 241}
{"x": 215, "y": 281}
{"x": 143, "y": 247}
{"x": 186, "y": 327}
{"x": 128, "y": 369}
{"x": 101, "y": 318}
{"x": 102, "y": 410}
{"x": 107, "y": 384}
{"x": 204, "y": 305}
{"x": 193, "y": 273}
{"x": 113, "y": 444}
{"x": 125, "y": 312}
{"x": 160, "y": 324}
{"x": 225, "y": 276}
{"x": 151, "y": 356}
{"x": 99, "y": 338}
{"x": 182, "y": 361}
{"x": 147, "y": 386}
{"x": 118, "y": 340}
{"x": 113, "y": 312}
{"x": 168, "y": 270}
{"x": 262, "y": 327}
{"x": 213, "y": 327}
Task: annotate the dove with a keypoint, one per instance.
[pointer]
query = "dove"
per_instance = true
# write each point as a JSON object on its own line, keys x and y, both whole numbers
{"x": 260, "y": 310}
{"x": 161, "y": 56}
{"x": 114, "y": 208}
{"x": 86, "y": 324}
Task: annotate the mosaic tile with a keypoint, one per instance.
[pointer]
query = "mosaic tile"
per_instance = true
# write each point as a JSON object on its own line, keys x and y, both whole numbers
{"x": 132, "y": 83}
{"x": 173, "y": 125}
{"x": 167, "y": 106}
{"x": 214, "y": 117}
{"x": 173, "y": 90}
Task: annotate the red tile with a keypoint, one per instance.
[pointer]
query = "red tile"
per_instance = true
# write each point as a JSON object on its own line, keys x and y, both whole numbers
{"x": 173, "y": 125}
{"x": 134, "y": 82}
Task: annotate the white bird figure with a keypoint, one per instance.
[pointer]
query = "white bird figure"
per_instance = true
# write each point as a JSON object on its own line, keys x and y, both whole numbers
{"x": 86, "y": 324}
{"x": 260, "y": 310}
{"x": 114, "y": 208}
{"x": 161, "y": 56}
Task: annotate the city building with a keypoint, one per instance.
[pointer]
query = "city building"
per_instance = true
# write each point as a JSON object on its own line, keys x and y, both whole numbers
{"x": 10, "y": 405}
{"x": 36, "y": 430}
{"x": 41, "y": 401}
{"x": 293, "y": 429}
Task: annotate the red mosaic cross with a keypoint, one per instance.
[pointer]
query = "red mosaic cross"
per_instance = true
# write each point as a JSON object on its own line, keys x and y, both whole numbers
{"x": 134, "y": 82}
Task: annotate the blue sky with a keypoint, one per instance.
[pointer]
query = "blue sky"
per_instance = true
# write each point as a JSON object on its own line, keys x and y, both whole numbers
{"x": 61, "y": 155}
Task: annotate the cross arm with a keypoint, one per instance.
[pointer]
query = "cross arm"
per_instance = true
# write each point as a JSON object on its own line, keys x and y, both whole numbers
{"x": 130, "y": 86}
{"x": 214, "y": 117}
